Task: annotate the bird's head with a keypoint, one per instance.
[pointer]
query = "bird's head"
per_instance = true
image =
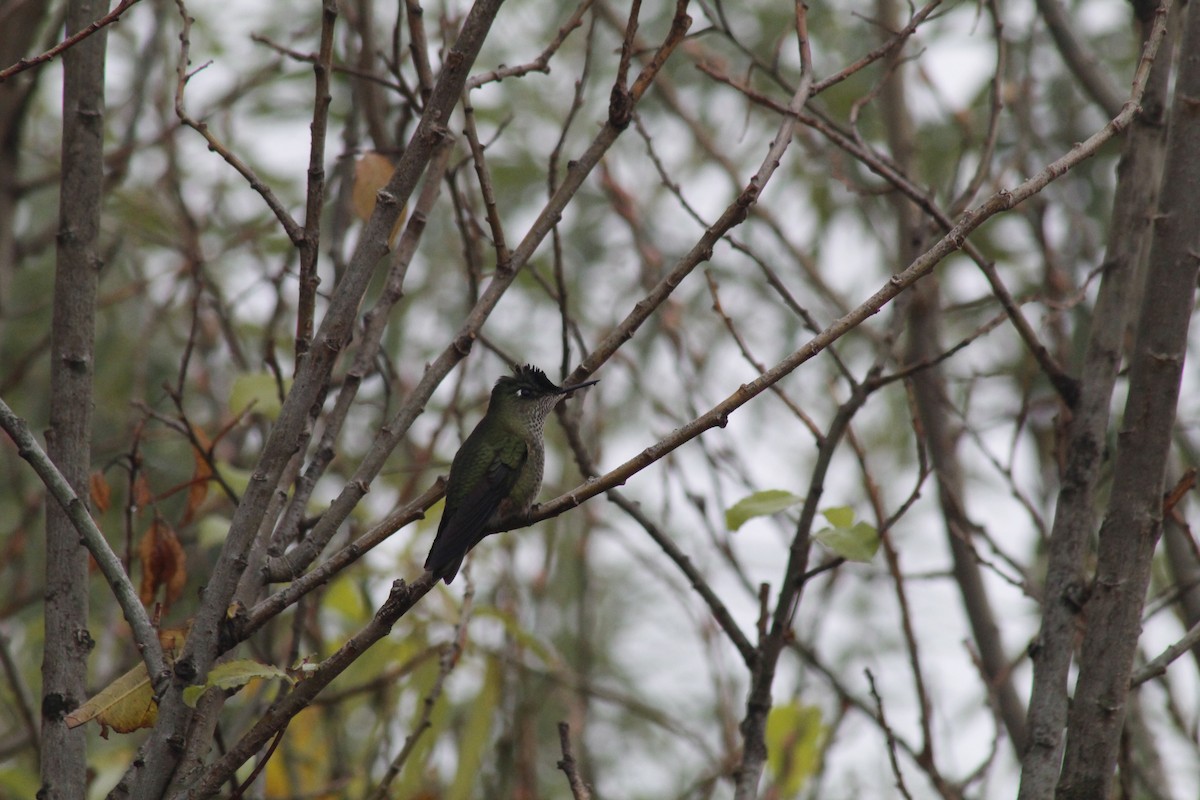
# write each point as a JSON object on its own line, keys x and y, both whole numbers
{"x": 529, "y": 394}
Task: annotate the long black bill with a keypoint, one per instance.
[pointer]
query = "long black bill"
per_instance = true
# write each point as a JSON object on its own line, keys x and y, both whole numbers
{"x": 568, "y": 389}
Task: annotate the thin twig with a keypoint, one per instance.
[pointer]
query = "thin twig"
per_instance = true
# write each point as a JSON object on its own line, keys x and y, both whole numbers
{"x": 499, "y": 240}
{"x": 579, "y": 789}
{"x": 315, "y": 194}
{"x": 292, "y": 228}
{"x": 70, "y": 41}
{"x": 542, "y": 62}
{"x": 402, "y": 598}
{"x": 449, "y": 659}
{"x": 1158, "y": 665}
{"x": 953, "y": 240}
{"x": 314, "y": 58}
{"x": 891, "y": 737}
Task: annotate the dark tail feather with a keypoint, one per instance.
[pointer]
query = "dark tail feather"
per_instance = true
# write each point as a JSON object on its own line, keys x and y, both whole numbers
{"x": 443, "y": 568}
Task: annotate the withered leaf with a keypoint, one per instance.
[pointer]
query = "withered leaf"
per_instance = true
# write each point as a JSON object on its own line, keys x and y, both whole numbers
{"x": 100, "y": 492}
{"x": 127, "y": 703}
{"x": 371, "y": 173}
{"x": 164, "y": 564}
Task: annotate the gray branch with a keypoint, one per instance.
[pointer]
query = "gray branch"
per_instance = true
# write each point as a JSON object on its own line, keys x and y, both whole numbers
{"x": 93, "y": 538}
{"x": 1136, "y": 192}
{"x": 1133, "y": 520}
{"x": 69, "y": 438}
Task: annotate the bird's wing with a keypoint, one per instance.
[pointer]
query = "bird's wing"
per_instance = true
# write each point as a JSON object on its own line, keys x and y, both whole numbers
{"x": 468, "y": 510}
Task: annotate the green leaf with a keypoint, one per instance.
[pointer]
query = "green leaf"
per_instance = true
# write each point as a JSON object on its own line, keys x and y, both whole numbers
{"x": 794, "y": 738}
{"x": 257, "y": 392}
{"x": 839, "y": 517}
{"x": 859, "y": 542}
{"x": 759, "y": 504}
{"x": 233, "y": 674}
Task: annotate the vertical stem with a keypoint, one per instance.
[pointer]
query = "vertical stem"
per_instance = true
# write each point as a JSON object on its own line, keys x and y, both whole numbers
{"x": 64, "y": 666}
{"x": 310, "y": 244}
{"x": 1136, "y": 192}
{"x": 930, "y": 392}
{"x": 1133, "y": 520}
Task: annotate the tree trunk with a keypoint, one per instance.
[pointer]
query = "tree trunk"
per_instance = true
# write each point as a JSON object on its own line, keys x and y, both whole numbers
{"x": 64, "y": 667}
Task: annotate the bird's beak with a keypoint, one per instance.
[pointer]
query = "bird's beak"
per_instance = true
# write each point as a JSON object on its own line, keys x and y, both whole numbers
{"x": 566, "y": 390}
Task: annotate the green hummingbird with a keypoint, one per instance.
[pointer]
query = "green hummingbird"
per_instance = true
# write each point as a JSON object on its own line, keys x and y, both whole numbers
{"x": 498, "y": 470}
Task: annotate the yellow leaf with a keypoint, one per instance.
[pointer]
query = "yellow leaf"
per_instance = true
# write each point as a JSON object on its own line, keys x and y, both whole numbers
{"x": 303, "y": 762}
{"x": 258, "y": 392}
{"x": 371, "y": 173}
{"x": 794, "y": 736}
{"x": 198, "y": 488}
{"x": 475, "y": 742}
{"x": 124, "y": 705}
{"x": 127, "y": 703}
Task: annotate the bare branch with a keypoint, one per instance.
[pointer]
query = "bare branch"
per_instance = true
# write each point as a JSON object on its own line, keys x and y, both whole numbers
{"x": 292, "y": 228}
{"x": 891, "y": 737}
{"x": 579, "y": 789}
{"x": 402, "y": 598}
{"x": 311, "y": 239}
{"x": 93, "y": 538}
{"x": 72, "y": 40}
{"x": 542, "y": 62}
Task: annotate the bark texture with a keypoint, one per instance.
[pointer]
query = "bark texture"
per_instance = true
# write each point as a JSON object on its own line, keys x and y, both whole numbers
{"x": 64, "y": 667}
{"x": 1065, "y": 587}
{"x": 1133, "y": 520}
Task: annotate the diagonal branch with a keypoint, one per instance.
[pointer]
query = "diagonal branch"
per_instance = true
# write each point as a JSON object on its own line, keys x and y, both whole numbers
{"x": 952, "y": 241}
{"x": 93, "y": 538}
{"x": 311, "y": 239}
{"x": 289, "y": 433}
{"x": 292, "y": 228}
{"x": 69, "y": 42}
{"x": 401, "y": 599}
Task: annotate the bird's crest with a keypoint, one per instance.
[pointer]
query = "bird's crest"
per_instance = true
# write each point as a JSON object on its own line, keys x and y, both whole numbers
{"x": 532, "y": 378}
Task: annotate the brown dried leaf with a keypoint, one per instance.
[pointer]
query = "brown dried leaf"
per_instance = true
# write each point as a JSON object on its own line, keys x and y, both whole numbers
{"x": 142, "y": 496}
{"x": 99, "y": 490}
{"x": 163, "y": 564}
{"x": 371, "y": 173}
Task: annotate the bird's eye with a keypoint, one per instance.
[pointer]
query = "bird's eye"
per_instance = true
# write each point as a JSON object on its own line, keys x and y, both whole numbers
{"x": 523, "y": 393}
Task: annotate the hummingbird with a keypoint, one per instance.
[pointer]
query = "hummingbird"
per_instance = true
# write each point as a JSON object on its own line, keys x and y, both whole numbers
{"x": 498, "y": 470}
